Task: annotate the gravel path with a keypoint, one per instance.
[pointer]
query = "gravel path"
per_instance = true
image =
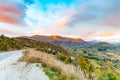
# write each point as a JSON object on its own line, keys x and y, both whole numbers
{"x": 10, "y": 69}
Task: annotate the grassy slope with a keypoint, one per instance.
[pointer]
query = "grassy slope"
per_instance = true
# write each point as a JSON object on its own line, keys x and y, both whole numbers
{"x": 7, "y": 44}
{"x": 53, "y": 67}
{"x": 42, "y": 46}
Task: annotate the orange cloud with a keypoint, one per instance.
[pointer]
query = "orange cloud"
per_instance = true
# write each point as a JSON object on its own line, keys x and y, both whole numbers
{"x": 108, "y": 33}
{"x": 102, "y": 34}
{"x": 12, "y": 14}
{"x": 61, "y": 24}
{"x": 8, "y": 19}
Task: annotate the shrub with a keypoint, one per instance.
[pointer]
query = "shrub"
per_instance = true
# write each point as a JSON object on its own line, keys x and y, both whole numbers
{"x": 65, "y": 58}
{"x": 85, "y": 65}
{"x": 62, "y": 56}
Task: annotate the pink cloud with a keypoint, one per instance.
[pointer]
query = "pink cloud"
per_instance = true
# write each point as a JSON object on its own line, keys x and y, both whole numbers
{"x": 8, "y": 19}
{"x": 12, "y": 13}
{"x": 10, "y": 9}
{"x": 64, "y": 21}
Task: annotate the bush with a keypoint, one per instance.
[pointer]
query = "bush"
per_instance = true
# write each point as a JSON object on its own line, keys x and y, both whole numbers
{"x": 62, "y": 56}
{"x": 85, "y": 65}
{"x": 65, "y": 58}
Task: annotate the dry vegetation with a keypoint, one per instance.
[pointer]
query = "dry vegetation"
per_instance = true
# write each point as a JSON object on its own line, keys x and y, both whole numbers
{"x": 31, "y": 56}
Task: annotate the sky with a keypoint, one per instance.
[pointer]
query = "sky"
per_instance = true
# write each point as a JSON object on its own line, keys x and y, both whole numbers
{"x": 86, "y": 19}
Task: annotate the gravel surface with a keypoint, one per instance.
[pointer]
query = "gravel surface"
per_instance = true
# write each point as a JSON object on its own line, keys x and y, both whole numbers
{"x": 10, "y": 69}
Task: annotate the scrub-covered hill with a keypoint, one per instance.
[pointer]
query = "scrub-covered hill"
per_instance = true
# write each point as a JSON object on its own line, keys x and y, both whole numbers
{"x": 7, "y": 44}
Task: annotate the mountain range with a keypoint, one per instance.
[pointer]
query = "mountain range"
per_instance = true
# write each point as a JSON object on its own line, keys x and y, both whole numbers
{"x": 68, "y": 42}
{"x": 62, "y": 41}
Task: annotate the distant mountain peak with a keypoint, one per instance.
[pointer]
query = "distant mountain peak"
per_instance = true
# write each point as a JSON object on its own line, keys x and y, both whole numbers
{"x": 76, "y": 39}
{"x": 55, "y": 37}
{"x": 35, "y": 36}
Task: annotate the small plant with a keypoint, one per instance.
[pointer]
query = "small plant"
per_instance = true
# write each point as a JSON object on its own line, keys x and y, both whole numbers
{"x": 65, "y": 58}
{"x": 37, "y": 65}
{"x": 72, "y": 77}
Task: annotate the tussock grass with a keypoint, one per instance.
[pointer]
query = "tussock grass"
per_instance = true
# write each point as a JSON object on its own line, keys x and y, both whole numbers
{"x": 49, "y": 60}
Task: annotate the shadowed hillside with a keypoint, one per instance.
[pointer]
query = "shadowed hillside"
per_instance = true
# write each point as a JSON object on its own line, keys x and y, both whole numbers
{"x": 103, "y": 46}
{"x": 7, "y": 44}
{"x": 62, "y": 41}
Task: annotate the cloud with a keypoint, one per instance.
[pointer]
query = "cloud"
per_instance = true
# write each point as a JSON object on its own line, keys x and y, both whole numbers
{"x": 87, "y": 19}
{"x": 104, "y": 35}
{"x": 13, "y": 30}
{"x": 93, "y": 12}
{"x": 8, "y": 19}
{"x": 62, "y": 23}
{"x": 13, "y": 12}
{"x": 8, "y": 32}
{"x": 77, "y": 19}
{"x": 108, "y": 33}
{"x": 10, "y": 9}
{"x": 112, "y": 20}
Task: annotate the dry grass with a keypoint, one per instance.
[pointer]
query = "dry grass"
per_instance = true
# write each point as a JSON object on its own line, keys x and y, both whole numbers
{"x": 51, "y": 61}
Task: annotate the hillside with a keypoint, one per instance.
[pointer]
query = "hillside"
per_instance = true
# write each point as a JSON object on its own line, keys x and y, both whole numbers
{"x": 62, "y": 41}
{"x": 53, "y": 67}
{"x": 7, "y": 44}
{"x": 104, "y": 57}
{"x": 103, "y": 46}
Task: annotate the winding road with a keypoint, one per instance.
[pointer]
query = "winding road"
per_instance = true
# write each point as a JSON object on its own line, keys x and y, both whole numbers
{"x": 11, "y": 69}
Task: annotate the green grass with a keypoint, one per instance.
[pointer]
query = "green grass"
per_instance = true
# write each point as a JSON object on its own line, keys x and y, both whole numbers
{"x": 55, "y": 74}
